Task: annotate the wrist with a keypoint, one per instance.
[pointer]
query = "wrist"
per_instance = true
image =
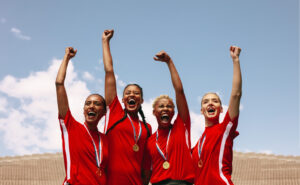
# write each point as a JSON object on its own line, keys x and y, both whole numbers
{"x": 235, "y": 59}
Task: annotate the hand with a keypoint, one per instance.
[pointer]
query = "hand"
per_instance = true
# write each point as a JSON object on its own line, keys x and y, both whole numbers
{"x": 70, "y": 52}
{"x": 235, "y": 52}
{"x": 107, "y": 35}
{"x": 162, "y": 56}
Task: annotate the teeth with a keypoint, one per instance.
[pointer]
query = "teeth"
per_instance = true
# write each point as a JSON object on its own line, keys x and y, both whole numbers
{"x": 131, "y": 102}
{"x": 165, "y": 117}
{"x": 210, "y": 109}
{"x": 91, "y": 114}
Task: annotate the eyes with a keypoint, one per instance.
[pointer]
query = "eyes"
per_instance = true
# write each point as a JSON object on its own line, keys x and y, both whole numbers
{"x": 134, "y": 92}
{"x": 214, "y": 100}
{"x": 96, "y": 103}
{"x": 169, "y": 106}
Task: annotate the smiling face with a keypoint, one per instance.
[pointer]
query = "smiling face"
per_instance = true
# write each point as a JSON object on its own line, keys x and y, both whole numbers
{"x": 163, "y": 110}
{"x": 94, "y": 108}
{"x": 132, "y": 98}
{"x": 211, "y": 107}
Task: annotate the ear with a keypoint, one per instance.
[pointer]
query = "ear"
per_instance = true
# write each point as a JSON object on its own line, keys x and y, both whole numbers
{"x": 142, "y": 101}
{"x": 123, "y": 100}
{"x": 153, "y": 112}
{"x": 221, "y": 109}
{"x": 202, "y": 111}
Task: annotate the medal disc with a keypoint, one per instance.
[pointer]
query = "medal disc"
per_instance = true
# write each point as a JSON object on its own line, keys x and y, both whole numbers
{"x": 200, "y": 163}
{"x": 166, "y": 165}
{"x": 135, "y": 147}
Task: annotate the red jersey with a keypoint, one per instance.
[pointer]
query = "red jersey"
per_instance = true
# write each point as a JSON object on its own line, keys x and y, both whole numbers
{"x": 215, "y": 149}
{"x": 125, "y": 164}
{"x": 175, "y": 145}
{"x": 79, "y": 153}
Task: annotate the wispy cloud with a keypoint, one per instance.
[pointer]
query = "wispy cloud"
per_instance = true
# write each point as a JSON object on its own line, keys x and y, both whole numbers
{"x": 88, "y": 76}
{"x": 18, "y": 33}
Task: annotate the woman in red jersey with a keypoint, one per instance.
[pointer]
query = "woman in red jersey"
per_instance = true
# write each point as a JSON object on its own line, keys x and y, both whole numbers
{"x": 85, "y": 149}
{"x": 169, "y": 147}
{"x": 127, "y": 135}
{"x": 212, "y": 155}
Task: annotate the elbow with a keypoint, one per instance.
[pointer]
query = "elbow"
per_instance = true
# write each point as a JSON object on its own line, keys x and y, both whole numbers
{"x": 180, "y": 90}
{"x": 59, "y": 83}
{"x": 237, "y": 95}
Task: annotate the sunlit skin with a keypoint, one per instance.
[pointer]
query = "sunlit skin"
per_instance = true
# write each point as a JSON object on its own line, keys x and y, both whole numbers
{"x": 93, "y": 110}
{"x": 211, "y": 108}
{"x": 132, "y": 99}
{"x": 164, "y": 112}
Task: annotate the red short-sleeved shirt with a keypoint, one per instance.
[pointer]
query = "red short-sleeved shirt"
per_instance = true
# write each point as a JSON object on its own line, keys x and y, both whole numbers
{"x": 79, "y": 153}
{"x": 125, "y": 164}
{"x": 179, "y": 153}
{"x": 216, "y": 153}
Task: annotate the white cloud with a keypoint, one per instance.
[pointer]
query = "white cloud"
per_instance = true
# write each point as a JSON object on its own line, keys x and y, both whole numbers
{"x": 87, "y": 76}
{"x": 18, "y": 33}
{"x": 32, "y": 126}
{"x": 3, "y": 20}
{"x": 3, "y": 104}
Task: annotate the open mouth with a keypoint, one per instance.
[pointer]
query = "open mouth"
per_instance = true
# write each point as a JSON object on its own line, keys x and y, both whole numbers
{"x": 211, "y": 110}
{"x": 131, "y": 102}
{"x": 92, "y": 114}
{"x": 165, "y": 117}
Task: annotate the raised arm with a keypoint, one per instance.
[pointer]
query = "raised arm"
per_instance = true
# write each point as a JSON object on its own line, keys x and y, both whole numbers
{"x": 181, "y": 102}
{"x": 236, "y": 92}
{"x": 62, "y": 99}
{"x": 110, "y": 80}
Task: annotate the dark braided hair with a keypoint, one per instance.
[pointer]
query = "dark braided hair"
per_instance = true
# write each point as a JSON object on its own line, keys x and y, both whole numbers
{"x": 140, "y": 111}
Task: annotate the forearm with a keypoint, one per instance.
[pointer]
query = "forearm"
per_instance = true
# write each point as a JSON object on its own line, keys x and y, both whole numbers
{"x": 176, "y": 81}
{"x": 237, "y": 79}
{"x": 107, "y": 58}
{"x": 61, "y": 75}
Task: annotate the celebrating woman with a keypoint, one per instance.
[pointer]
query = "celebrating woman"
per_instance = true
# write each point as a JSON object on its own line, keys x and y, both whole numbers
{"x": 85, "y": 149}
{"x": 127, "y": 135}
{"x": 169, "y": 147}
{"x": 212, "y": 155}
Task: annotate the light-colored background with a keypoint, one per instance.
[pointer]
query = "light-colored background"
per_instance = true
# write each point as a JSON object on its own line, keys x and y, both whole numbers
{"x": 196, "y": 34}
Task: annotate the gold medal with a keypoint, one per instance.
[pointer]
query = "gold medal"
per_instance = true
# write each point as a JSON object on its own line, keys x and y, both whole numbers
{"x": 166, "y": 165}
{"x": 99, "y": 172}
{"x": 200, "y": 163}
{"x": 135, "y": 147}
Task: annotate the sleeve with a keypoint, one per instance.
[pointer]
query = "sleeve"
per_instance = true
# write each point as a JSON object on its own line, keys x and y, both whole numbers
{"x": 114, "y": 113}
{"x": 185, "y": 128}
{"x": 231, "y": 124}
{"x": 67, "y": 122}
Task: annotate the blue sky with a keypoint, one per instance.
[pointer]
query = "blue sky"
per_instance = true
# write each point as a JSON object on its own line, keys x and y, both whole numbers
{"x": 196, "y": 34}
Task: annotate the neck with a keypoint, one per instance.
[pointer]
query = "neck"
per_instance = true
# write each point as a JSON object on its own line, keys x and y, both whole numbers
{"x": 92, "y": 126}
{"x": 209, "y": 123}
{"x": 133, "y": 115}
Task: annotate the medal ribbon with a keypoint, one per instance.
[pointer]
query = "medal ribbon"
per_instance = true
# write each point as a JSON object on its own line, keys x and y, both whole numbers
{"x": 134, "y": 134}
{"x": 200, "y": 148}
{"x": 158, "y": 148}
{"x": 100, "y": 156}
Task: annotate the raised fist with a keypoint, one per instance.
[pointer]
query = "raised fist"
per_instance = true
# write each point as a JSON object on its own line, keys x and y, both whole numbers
{"x": 235, "y": 52}
{"x": 162, "y": 56}
{"x": 107, "y": 34}
{"x": 70, "y": 52}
